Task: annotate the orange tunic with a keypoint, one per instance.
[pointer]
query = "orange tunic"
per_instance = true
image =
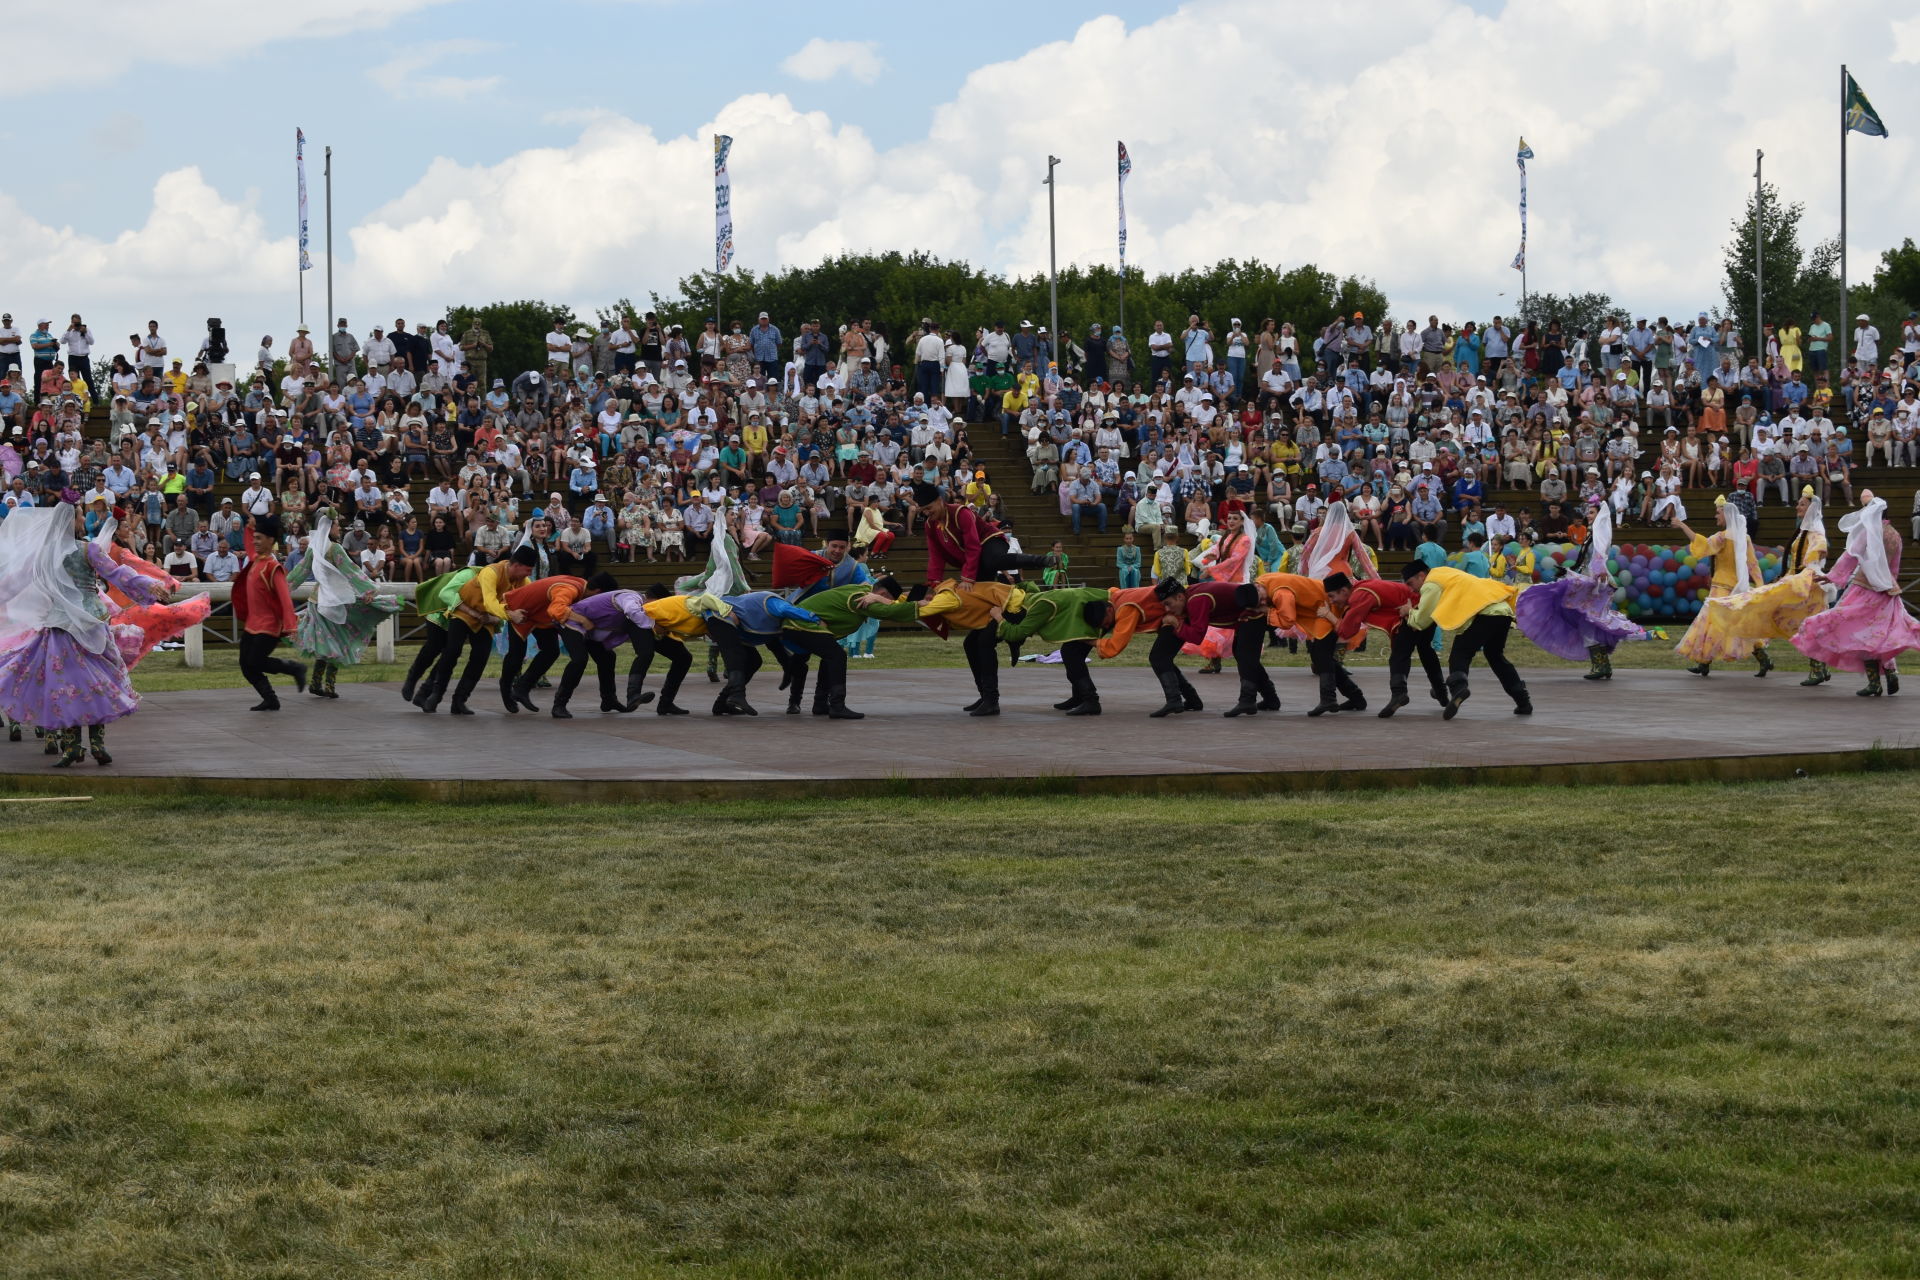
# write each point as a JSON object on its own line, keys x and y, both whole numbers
{"x": 548, "y": 602}
{"x": 1295, "y": 601}
{"x": 1134, "y": 609}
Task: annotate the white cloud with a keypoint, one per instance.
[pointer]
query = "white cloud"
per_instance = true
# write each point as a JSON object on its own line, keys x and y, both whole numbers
{"x": 40, "y": 54}
{"x": 1906, "y": 41}
{"x": 403, "y": 77}
{"x": 819, "y": 59}
{"x": 1390, "y": 158}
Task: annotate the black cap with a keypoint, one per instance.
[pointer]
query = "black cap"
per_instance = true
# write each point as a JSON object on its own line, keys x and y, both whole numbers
{"x": 1412, "y": 569}
{"x": 1096, "y": 613}
{"x": 889, "y": 584}
{"x": 1336, "y": 582}
{"x": 1168, "y": 587}
{"x": 603, "y": 581}
{"x": 925, "y": 494}
{"x": 839, "y": 535}
{"x": 526, "y": 556}
{"x": 1247, "y": 596}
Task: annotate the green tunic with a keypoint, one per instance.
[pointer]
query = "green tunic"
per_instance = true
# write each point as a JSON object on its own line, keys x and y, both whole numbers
{"x": 340, "y": 642}
{"x": 433, "y": 598}
{"x": 841, "y": 617}
{"x": 1057, "y": 616}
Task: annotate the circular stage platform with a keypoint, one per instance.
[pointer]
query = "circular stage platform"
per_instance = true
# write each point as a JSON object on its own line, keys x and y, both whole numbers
{"x": 1642, "y": 726}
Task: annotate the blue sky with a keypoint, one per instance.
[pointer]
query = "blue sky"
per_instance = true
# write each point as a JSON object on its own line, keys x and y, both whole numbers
{"x": 491, "y": 150}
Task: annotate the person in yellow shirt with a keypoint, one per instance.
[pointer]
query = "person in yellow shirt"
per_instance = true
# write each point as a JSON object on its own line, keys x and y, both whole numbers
{"x": 978, "y": 491}
{"x": 1479, "y": 611}
{"x": 949, "y": 606}
{"x": 470, "y": 626}
{"x": 176, "y": 379}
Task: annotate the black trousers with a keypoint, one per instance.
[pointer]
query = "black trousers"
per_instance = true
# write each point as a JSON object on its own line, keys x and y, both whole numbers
{"x": 1406, "y": 645}
{"x": 257, "y": 662}
{"x": 1335, "y": 682}
{"x": 997, "y": 558}
{"x": 1485, "y": 636}
{"x": 546, "y": 650}
{"x": 1073, "y": 656}
{"x": 1166, "y": 647}
{"x": 982, "y": 650}
{"x": 738, "y": 652}
{"x": 1249, "y": 642}
{"x": 646, "y": 645}
{"x": 431, "y": 646}
{"x": 581, "y": 651}
{"x": 476, "y": 643}
{"x": 831, "y": 684}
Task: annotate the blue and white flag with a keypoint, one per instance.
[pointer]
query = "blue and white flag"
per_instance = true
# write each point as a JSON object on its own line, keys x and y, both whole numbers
{"x": 300, "y": 173}
{"x": 1126, "y": 167}
{"x": 1520, "y": 158}
{"x": 722, "y": 205}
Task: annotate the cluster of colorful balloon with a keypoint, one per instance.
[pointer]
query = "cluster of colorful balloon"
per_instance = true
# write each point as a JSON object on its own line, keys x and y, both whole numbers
{"x": 1652, "y": 581}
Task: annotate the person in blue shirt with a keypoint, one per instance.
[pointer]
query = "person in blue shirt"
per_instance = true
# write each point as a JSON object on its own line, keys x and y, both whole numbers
{"x": 1474, "y": 559}
{"x": 359, "y": 404}
{"x": 1428, "y": 514}
{"x": 1467, "y": 492}
{"x": 746, "y": 624}
{"x": 1430, "y": 552}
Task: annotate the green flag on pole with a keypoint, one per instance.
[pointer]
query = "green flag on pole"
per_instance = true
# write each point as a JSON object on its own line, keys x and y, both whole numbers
{"x": 1859, "y": 113}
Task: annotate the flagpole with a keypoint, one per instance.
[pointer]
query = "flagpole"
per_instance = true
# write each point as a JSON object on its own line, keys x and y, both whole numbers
{"x": 331, "y": 317}
{"x": 1846, "y": 334}
{"x": 1759, "y": 263}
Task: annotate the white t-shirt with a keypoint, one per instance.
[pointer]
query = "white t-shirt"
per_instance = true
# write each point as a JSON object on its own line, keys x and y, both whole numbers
{"x": 79, "y": 343}
{"x": 559, "y": 347}
{"x": 1160, "y": 344}
{"x": 1866, "y": 344}
{"x": 153, "y": 352}
{"x": 10, "y": 339}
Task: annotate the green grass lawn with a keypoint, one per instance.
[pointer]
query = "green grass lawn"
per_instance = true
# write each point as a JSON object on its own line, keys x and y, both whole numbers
{"x": 895, "y": 651}
{"x": 1655, "y": 1032}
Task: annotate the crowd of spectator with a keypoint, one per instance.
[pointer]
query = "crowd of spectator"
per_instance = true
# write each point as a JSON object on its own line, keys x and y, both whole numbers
{"x": 636, "y": 441}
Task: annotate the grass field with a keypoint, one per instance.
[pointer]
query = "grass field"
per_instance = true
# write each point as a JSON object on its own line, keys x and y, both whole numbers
{"x": 1662, "y": 1032}
{"x": 162, "y": 672}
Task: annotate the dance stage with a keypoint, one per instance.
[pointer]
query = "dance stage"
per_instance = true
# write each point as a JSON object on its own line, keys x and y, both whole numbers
{"x": 1642, "y": 726}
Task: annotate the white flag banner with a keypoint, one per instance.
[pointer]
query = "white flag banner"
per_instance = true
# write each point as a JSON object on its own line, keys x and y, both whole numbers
{"x": 1520, "y": 158}
{"x": 300, "y": 174}
{"x": 1126, "y": 167}
{"x": 722, "y": 205}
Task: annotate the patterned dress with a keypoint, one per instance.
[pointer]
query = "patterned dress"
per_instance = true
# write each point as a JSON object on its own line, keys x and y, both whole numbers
{"x": 50, "y": 680}
{"x": 340, "y": 642}
{"x": 1867, "y": 626}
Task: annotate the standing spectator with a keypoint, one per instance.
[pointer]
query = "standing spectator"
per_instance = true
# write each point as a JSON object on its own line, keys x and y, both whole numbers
{"x": 929, "y": 357}
{"x": 10, "y": 339}
{"x": 46, "y": 351}
{"x": 766, "y": 348}
{"x": 153, "y": 351}
{"x": 79, "y": 340}
{"x": 341, "y": 353}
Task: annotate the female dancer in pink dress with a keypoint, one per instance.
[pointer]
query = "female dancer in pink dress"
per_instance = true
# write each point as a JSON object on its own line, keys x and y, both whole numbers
{"x": 1870, "y": 627}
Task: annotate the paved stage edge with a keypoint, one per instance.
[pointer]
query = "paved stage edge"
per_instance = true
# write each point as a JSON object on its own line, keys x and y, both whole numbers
{"x": 87, "y": 780}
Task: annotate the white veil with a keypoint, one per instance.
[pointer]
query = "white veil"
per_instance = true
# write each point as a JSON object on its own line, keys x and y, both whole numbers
{"x": 1863, "y": 530}
{"x": 1328, "y": 541}
{"x": 1600, "y": 541}
{"x": 1814, "y": 522}
{"x": 332, "y": 590}
{"x": 1737, "y": 539}
{"x": 36, "y": 591}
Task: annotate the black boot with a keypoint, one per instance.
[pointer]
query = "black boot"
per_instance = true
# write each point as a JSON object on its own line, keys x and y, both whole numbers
{"x": 837, "y": 710}
{"x": 429, "y": 699}
{"x": 97, "y": 743}
{"x": 318, "y": 685}
{"x": 988, "y": 706}
{"x": 559, "y": 709}
{"x": 1089, "y": 704}
{"x": 1817, "y": 674}
{"x": 796, "y": 693}
{"x": 1246, "y": 706}
{"x": 1594, "y": 656}
{"x": 1188, "y": 694}
{"x": 72, "y": 749}
{"x": 1701, "y": 669}
{"x": 522, "y": 688}
{"x": 1760, "y": 656}
{"x": 635, "y": 698}
{"x": 1397, "y": 700}
{"x": 507, "y": 697}
{"x": 1074, "y": 699}
{"x": 1457, "y": 693}
{"x": 1176, "y": 702}
{"x": 299, "y": 676}
{"x": 1893, "y": 681}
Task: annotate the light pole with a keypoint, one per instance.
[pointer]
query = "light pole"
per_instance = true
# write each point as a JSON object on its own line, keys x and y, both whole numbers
{"x": 1759, "y": 258}
{"x": 1053, "y": 280}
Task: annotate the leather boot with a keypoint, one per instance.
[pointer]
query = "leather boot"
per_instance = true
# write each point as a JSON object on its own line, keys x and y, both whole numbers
{"x": 1176, "y": 703}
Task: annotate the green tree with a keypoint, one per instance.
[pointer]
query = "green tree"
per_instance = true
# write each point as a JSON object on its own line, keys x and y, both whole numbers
{"x": 519, "y": 331}
{"x": 1898, "y": 275}
{"x": 1785, "y": 283}
{"x": 1576, "y": 311}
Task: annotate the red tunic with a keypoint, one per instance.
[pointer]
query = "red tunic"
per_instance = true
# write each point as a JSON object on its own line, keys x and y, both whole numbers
{"x": 955, "y": 542}
{"x": 1375, "y": 602}
{"x": 1212, "y": 604}
{"x": 797, "y": 567}
{"x": 261, "y": 600}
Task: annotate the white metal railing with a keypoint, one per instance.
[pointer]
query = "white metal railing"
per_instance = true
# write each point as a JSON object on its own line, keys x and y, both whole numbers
{"x": 222, "y": 593}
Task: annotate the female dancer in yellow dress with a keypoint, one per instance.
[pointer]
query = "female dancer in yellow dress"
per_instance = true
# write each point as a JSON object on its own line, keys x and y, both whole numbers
{"x": 1736, "y": 570}
{"x": 1775, "y": 611}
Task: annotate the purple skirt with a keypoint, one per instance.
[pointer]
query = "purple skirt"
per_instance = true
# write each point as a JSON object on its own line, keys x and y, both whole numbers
{"x": 1571, "y": 613}
{"x": 48, "y": 681}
